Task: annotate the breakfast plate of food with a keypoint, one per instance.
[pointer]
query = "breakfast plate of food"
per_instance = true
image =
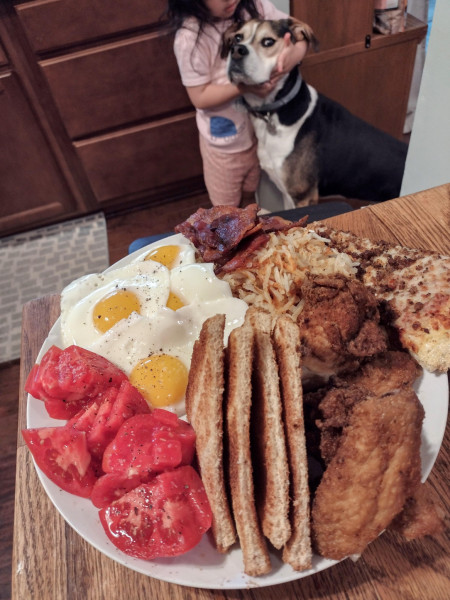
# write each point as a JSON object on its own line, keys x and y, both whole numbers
{"x": 284, "y": 375}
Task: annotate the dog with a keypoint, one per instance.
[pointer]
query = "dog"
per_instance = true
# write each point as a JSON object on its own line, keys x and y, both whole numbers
{"x": 309, "y": 145}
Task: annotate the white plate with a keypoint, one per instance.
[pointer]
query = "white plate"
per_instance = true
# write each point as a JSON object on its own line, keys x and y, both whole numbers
{"x": 204, "y": 567}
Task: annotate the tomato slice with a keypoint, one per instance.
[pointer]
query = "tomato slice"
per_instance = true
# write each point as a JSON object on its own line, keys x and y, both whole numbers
{"x": 102, "y": 419}
{"x": 59, "y": 409}
{"x": 110, "y": 487}
{"x": 62, "y": 454}
{"x": 73, "y": 375}
{"x": 166, "y": 517}
{"x": 129, "y": 402}
{"x": 150, "y": 444}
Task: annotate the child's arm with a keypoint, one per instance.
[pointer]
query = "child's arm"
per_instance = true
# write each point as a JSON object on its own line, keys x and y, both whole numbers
{"x": 212, "y": 94}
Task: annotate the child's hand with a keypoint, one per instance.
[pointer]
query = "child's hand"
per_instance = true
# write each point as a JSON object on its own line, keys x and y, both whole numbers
{"x": 261, "y": 90}
{"x": 291, "y": 55}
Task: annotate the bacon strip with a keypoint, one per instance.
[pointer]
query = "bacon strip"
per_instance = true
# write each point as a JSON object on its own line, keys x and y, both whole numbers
{"x": 216, "y": 231}
{"x": 219, "y": 232}
{"x": 246, "y": 249}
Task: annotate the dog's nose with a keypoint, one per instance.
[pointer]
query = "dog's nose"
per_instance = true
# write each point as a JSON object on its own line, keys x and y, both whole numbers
{"x": 238, "y": 51}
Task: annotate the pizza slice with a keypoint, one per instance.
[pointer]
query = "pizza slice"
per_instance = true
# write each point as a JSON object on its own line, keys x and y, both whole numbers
{"x": 415, "y": 287}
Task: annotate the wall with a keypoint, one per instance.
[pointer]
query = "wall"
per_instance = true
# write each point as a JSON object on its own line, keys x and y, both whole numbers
{"x": 428, "y": 161}
{"x": 281, "y": 5}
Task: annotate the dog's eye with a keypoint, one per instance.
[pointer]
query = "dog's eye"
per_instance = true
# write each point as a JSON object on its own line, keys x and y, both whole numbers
{"x": 238, "y": 38}
{"x": 267, "y": 42}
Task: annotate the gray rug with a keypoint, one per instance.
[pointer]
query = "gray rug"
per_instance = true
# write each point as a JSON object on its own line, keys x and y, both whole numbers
{"x": 44, "y": 261}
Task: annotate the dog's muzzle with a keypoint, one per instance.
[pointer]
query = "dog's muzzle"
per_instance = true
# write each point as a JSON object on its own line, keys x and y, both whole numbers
{"x": 236, "y": 62}
{"x": 238, "y": 52}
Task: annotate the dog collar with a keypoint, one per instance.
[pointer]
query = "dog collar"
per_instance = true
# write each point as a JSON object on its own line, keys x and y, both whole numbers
{"x": 270, "y": 107}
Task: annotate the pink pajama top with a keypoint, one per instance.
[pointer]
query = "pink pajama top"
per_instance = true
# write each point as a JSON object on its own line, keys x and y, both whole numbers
{"x": 226, "y": 127}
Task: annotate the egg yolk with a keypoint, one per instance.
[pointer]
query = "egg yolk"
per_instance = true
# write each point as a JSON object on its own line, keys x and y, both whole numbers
{"x": 174, "y": 302}
{"x": 112, "y": 308}
{"x": 161, "y": 379}
{"x": 166, "y": 255}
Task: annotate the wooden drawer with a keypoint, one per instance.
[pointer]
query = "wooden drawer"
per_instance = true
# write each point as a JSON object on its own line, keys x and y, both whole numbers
{"x": 335, "y": 22}
{"x": 117, "y": 84}
{"x": 142, "y": 161}
{"x": 32, "y": 187}
{"x": 63, "y": 23}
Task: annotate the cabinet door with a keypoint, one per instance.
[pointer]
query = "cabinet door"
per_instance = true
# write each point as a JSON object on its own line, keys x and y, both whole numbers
{"x": 63, "y": 23}
{"x": 32, "y": 188}
{"x": 335, "y": 22}
{"x": 154, "y": 161}
{"x": 3, "y": 57}
{"x": 373, "y": 83}
{"x": 116, "y": 85}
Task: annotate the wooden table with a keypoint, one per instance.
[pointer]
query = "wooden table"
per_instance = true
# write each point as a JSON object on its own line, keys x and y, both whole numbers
{"x": 50, "y": 560}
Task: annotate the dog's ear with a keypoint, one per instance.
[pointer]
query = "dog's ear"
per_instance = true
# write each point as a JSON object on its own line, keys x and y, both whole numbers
{"x": 302, "y": 31}
{"x": 227, "y": 38}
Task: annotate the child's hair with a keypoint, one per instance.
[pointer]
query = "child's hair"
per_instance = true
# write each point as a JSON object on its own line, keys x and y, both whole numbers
{"x": 178, "y": 10}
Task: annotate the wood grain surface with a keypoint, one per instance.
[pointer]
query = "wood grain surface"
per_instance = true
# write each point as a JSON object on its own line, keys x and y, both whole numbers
{"x": 51, "y": 561}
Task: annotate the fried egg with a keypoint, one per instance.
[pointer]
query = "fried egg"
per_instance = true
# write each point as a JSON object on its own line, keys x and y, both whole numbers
{"x": 145, "y": 316}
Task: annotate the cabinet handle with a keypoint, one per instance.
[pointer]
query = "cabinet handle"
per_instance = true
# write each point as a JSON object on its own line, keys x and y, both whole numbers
{"x": 368, "y": 41}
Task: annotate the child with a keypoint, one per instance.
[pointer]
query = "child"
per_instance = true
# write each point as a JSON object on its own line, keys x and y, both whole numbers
{"x": 227, "y": 141}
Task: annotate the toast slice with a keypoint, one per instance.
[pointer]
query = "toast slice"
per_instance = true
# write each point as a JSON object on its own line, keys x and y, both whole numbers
{"x": 272, "y": 473}
{"x": 204, "y": 407}
{"x": 286, "y": 337}
{"x": 238, "y": 409}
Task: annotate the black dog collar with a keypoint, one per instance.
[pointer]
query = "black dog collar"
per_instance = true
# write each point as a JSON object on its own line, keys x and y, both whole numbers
{"x": 265, "y": 109}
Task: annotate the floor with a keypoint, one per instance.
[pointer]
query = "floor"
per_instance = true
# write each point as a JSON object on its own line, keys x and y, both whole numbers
{"x": 122, "y": 229}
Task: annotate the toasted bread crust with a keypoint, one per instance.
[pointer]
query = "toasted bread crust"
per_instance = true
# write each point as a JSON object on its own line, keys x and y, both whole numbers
{"x": 272, "y": 484}
{"x": 204, "y": 407}
{"x": 286, "y": 336}
{"x": 238, "y": 409}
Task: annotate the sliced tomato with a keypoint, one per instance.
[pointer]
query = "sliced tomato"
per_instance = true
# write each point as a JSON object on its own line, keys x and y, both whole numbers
{"x": 102, "y": 419}
{"x": 72, "y": 375}
{"x": 110, "y": 487}
{"x": 129, "y": 402}
{"x": 150, "y": 443}
{"x": 58, "y": 409}
{"x": 62, "y": 454}
{"x": 85, "y": 418}
{"x": 166, "y": 517}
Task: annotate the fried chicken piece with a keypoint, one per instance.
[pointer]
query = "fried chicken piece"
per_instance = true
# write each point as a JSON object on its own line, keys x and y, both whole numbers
{"x": 383, "y": 375}
{"x": 375, "y": 469}
{"x": 336, "y": 408}
{"x": 419, "y": 516}
{"x": 340, "y": 324}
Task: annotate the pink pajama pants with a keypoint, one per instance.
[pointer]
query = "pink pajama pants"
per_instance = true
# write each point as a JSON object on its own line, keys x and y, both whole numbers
{"x": 227, "y": 175}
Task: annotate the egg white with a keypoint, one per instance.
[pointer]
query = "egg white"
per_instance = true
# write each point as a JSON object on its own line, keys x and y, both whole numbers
{"x": 186, "y": 255}
{"x": 149, "y": 281}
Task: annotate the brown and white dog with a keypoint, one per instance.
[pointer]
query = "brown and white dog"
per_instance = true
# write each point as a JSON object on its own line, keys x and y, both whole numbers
{"x": 309, "y": 145}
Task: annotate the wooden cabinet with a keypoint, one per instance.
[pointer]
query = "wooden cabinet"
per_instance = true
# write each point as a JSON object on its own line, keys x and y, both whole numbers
{"x": 370, "y": 74}
{"x": 107, "y": 86}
